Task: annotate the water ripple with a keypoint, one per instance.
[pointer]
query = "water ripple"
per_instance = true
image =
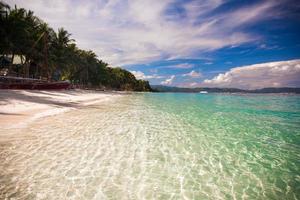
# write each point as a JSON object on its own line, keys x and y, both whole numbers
{"x": 136, "y": 149}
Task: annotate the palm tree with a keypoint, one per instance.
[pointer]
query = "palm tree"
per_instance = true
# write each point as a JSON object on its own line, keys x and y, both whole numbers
{"x": 63, "y": 37}
{"x": 39, "y": 51}
{"x": 59, "y": 55}
{"x": 49, "y": 54}
{"x": 4, "y": 11}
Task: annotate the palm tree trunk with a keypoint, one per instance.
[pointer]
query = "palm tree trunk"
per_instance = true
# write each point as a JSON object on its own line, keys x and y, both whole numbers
{"x": 11, "y": 64}
{"x": 46, "y": 56}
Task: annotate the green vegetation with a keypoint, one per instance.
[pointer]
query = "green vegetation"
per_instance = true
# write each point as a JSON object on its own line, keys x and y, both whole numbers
{"x": 44, "y": 53}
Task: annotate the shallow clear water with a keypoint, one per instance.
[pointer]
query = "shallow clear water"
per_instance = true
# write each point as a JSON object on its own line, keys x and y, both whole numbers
{"x": 160, "y": 146}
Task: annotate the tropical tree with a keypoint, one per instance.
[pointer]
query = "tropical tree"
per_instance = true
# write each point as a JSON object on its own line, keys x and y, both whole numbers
{"x": 54, "y": 55}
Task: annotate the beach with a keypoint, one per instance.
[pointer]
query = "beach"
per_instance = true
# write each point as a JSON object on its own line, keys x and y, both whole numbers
{"x": 19, "y": 108}
{"x": 151, "y": 99}
{"x": 150, "y": 146}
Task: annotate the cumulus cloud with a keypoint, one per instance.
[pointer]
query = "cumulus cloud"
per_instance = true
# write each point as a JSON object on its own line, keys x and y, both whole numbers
{"x": 272, "y": 74}
{"x": 128, "y": 32}
{"x": 138, "y": 74}
{"x": 168, "y": 81}
{"x": 193, "y": 74}
{"x": 141, "y": 75}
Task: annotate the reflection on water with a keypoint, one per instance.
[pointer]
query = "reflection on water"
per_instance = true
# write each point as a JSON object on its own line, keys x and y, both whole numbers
{"x": 160, "y": 146}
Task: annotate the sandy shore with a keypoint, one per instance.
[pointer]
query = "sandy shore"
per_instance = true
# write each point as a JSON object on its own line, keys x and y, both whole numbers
{"x": 20, "y": 107}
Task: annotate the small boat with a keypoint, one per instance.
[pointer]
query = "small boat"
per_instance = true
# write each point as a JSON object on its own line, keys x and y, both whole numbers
{"x": 203, "y": 92}
{"x": 9, "y": 82}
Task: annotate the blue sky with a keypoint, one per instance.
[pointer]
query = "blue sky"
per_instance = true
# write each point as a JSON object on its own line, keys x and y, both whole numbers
{"x": 187, "y": 43}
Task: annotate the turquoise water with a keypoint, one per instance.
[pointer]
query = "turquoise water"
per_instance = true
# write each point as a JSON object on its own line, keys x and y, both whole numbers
{"x": 161, "y": 146}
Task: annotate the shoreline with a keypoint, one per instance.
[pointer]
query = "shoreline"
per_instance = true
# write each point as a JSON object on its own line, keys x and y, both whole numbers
{"x": 129, "y": 145}
{"x": 18, "y": 108}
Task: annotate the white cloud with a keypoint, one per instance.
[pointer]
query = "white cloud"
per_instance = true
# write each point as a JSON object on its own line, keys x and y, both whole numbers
{"x": 187, "y": 84}
{"x": 141, "y": 75}
{"x": 272, "y": 74}
{"x": 193, "y": 84}
{"x": 268, "y": 47}
{"x": 193, "y": 74}
{"x": 127, "y": 32}
{"x": 168, "y": 81}
{"x": 179, "y": 66}
{"x": 195, "y": 8}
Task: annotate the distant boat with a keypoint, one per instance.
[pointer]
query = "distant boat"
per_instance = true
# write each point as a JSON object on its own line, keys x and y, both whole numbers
{"x": 203, "y": 92}
{"x": 8, "y": 82}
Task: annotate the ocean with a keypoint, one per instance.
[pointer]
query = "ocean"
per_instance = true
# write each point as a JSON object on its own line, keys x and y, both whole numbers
{"x": 160, "y": 146}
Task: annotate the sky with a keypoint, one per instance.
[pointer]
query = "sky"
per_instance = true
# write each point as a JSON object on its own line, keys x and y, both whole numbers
{"x": 186, "y": 43}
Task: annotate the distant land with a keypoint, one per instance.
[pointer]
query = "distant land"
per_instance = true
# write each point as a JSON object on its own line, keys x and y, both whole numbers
{"x": 161, "y": 88}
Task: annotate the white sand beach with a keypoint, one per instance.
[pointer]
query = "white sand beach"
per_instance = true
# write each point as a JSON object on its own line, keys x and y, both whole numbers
{"x": 20, "y": 107}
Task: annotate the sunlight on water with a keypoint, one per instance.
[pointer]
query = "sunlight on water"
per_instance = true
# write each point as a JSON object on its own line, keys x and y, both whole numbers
{"x": 160, "y": 146}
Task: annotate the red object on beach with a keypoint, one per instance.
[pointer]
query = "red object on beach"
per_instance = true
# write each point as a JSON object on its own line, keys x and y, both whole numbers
{"x": 32, "y": 84}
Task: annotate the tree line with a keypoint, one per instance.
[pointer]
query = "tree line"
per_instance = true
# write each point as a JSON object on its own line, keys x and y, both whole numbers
{"x": 45, "y": 53}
